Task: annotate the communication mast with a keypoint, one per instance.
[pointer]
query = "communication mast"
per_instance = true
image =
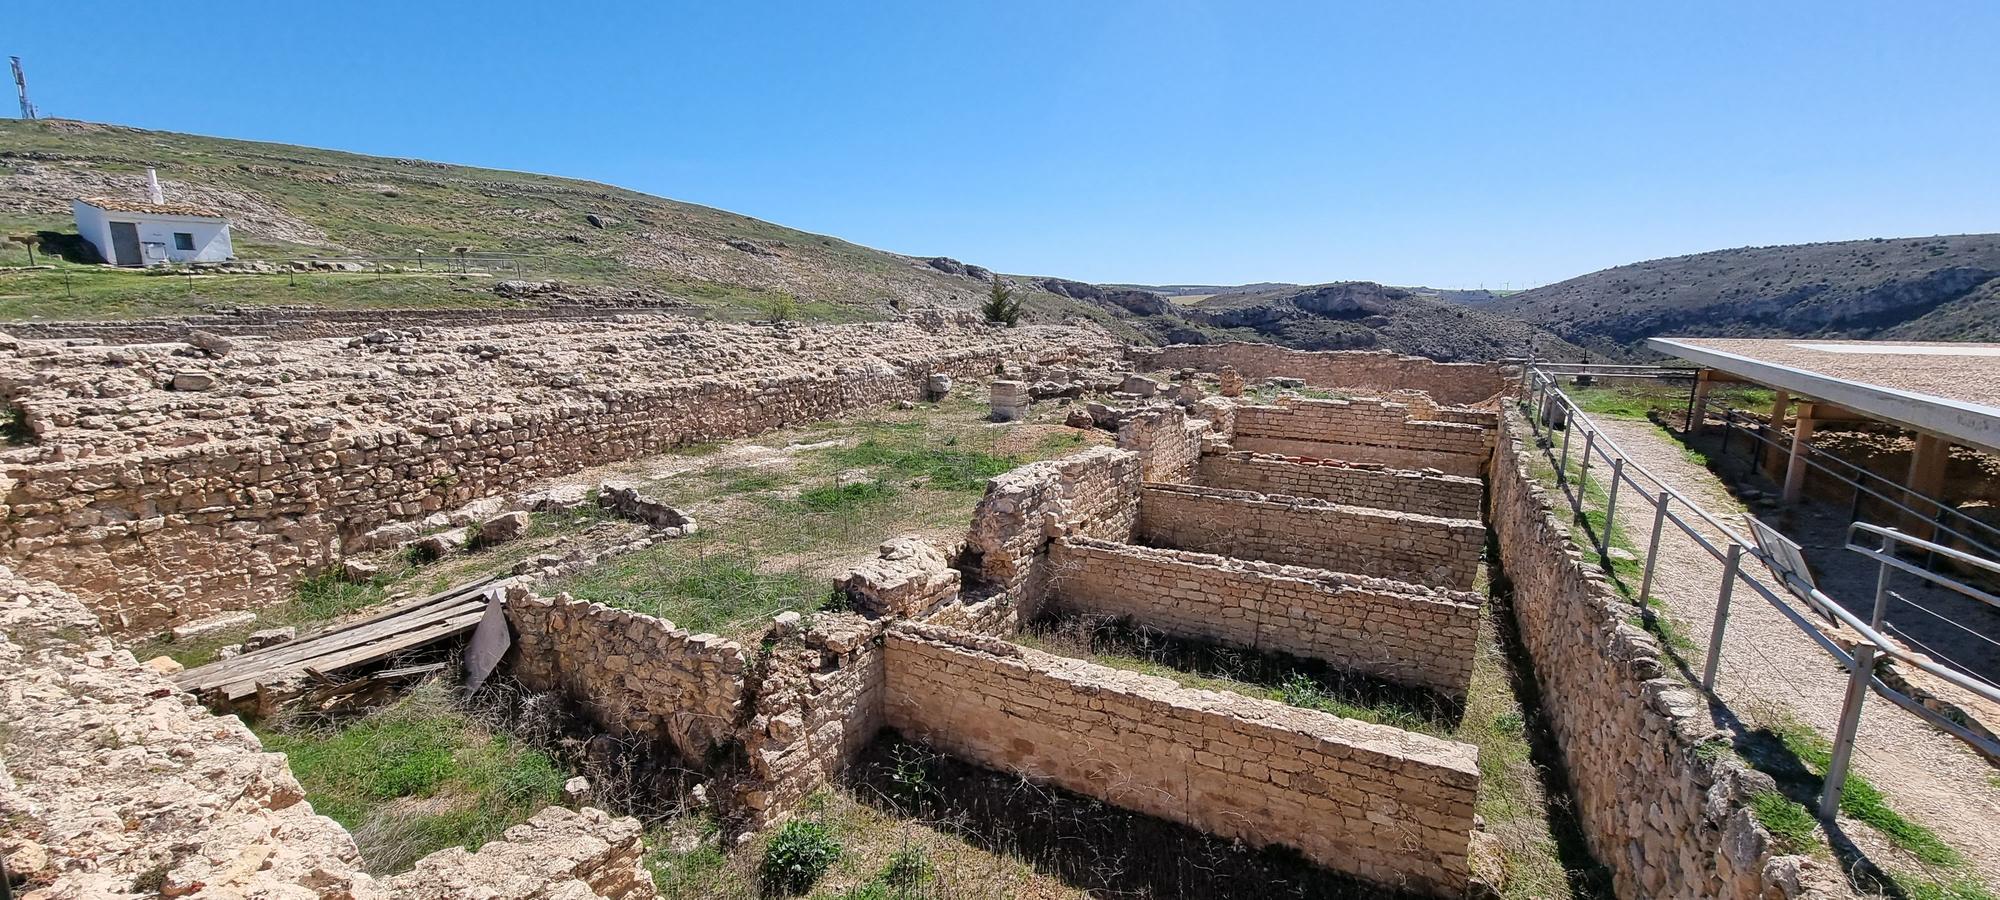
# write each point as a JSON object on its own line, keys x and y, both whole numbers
{"x": 21, "y": 87}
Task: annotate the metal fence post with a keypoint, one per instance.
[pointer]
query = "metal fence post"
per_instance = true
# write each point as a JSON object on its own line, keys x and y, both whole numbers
{"x": 1729, "y": 566}
{"x": 1610, "y": 510}
{"x": 1862, "y": 671}
{"x": 1653, "y": 548}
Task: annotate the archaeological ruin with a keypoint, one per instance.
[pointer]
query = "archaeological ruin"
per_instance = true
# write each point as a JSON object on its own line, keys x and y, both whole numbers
{"x": 176, "y": 480}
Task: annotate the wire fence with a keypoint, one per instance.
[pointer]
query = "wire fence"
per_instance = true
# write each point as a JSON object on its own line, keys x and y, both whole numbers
{"x": 1549, "y": 410}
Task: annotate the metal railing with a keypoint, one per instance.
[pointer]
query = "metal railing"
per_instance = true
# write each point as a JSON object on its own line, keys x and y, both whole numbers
{"x": 1543, "y": 401}
{"x": 1942, "y": 516}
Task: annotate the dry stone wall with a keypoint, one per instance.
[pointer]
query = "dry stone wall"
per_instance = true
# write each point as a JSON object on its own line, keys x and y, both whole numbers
{"x": 160, "y": 506}
{"x": 1411, "y": 634}
{"x": 819, "y": 704}
{"x": 1365, "y": 431}
{"x": 637, "y": 676}
{"x": 1300, "y": 532}
{"x": 1384, "y": 804}
{"x": 1359, "y": 370}
{"x": 1668, "y": 819}
{"x": 119, "y": 785}
{"x": 1094, "y": 493}
{"x": 1167, "y": 440}
{"x": 1401, "y": 490}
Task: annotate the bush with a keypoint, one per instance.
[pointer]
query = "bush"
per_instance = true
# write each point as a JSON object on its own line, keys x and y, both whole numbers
{"x": 782, "y": 307}
{"x": 1000, "y": 306}
{"x": 798, "y": 855}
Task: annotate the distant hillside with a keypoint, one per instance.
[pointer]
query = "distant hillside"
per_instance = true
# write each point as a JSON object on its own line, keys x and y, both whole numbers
{"x": 1936, "y": 288}
{"x": 630, "y": 247}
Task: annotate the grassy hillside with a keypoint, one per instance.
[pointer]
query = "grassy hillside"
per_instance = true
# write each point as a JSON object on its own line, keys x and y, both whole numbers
{"x": 290, "y": 201}
{"x": 1936, "y": 288}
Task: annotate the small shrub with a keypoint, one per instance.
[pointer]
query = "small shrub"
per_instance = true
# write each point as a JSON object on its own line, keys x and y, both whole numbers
{"x": 781, "y": 307}
{"x": 1000, "y": 306}
{"x": 798, "y": 855}
{"x": 908, "y": 869}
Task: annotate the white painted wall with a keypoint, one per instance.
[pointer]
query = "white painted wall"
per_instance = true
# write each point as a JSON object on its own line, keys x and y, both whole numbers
{"x": 156, "y": 234}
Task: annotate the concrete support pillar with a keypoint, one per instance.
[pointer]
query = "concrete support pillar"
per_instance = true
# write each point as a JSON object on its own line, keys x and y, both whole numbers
{"x": 1702, "y": 385}
{"x": 1927, "y": 468}
{"x": 1795, "y": 462}
{"x": 1774, "y": 454}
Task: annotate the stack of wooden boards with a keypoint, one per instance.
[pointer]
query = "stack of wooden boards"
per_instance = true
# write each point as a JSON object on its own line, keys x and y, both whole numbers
{"x": 306, "y": 665}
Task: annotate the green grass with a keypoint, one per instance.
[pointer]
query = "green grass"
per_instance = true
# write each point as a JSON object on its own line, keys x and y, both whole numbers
{"x": 839, "y": 497}
{"x": 724, "y": 593}
{"x": 947, "y": 467}
{"x": 1791, "y": 825}
{"x": 417, "y": 777}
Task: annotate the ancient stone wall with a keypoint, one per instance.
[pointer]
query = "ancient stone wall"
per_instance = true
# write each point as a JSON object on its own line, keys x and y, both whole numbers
{"x": 160, "y": 506}
{"x": 1402, "y": 490}
{"x": 299, "y": 323}
{"x": 1094, "y": 493}
{"x": 1410, "y": 634}
{"x": 1167, "y": 440}
{"x": 637, "y": 676}
{"x": 118, "y": 780}
{"x": 1359, "y": 370}
{"x": 1374, "y": 801}
{"x": 1668, "y": 819}
{"x": 819, "y": 704}
{"x": 1364, "y": 431}
{"x": 1300, "y": 532}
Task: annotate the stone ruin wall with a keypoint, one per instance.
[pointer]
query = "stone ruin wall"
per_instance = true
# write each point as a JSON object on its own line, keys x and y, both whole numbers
{"x": 112, "y": 742}
{"x": 1300, "y": 532}
{"x": 1401, "y": 490}
{"x": 1387, "y": 805}
{"x": 1669, "y": 820}
{"x": 1368, "y": 431}
{"x": 1092, "y": 494}
{"x": 1356, "y": 370}
{"x": 1411, "y": 634}
{"x": 300, "y": 323}
{"x": 162, "y": 506}
{"x": 1168, "y": 441}
{"x": 636, "y": 675}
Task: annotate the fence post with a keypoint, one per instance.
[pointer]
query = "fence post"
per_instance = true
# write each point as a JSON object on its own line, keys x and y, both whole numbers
{"x": 1861, "y": 673}
{"x": 1653, "y": 548}
{"x": 1562, "y": 468}
{"x": 1729, "y": 566}
{"x": 1610, "y": 511}
{"x": 1728, "y": 425}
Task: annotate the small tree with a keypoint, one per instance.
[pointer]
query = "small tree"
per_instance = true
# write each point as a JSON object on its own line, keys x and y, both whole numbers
{"x": 1001, "y": 308}
{"x": 782, "y": 307}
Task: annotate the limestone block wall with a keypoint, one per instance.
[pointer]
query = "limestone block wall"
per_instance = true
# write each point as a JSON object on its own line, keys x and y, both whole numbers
{"x": 636, "y": 675}
{"x": 1454, "y": 383}
{"x": 1314, "y": 533}
{"x": 1377, "y": 802}
{"x": 1410, "y": 634}
{"x": 1093, "y": 493}
{"x": 1402, "y": 490}
{"x": 1365, "y": 431}
{"x": 819, "y": 704}
{"x": 1669, "y": 821}
{"x": 112, "y": 741}
{"x": 1167, "y": 440}
{"x": 160, "y": 506}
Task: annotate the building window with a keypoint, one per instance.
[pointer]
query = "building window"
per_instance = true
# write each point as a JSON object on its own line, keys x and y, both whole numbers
{"x": 183, "y": 241}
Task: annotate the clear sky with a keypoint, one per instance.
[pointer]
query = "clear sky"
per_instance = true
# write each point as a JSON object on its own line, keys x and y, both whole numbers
{"x": 1456, "y": 145}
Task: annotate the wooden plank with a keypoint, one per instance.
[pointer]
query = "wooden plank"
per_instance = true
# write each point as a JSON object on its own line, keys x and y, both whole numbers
{"x": 308, "y": 649}
{"x": 215, "y": 672}
{"x": 429, "y": 633}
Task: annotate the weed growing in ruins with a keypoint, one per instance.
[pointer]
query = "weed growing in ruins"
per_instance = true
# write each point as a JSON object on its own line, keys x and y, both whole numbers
{"x": 837, "y": 497}
{"x": 797, "y": 855}
{"x": 416, "y": 777}
{"x": 1791, "y": 825}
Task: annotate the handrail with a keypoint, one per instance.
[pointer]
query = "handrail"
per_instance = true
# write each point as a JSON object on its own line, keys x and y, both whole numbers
{"x": 1541, "y": 390}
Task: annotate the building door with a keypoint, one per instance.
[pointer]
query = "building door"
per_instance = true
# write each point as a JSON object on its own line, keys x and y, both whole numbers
{"x": 125, "y": 244}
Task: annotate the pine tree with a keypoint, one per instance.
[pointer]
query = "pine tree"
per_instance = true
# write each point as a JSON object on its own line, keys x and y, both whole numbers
{"x": 1000, "y": 307}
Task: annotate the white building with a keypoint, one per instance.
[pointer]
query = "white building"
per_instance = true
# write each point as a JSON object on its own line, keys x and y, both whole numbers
{"x": 147, "y": 233}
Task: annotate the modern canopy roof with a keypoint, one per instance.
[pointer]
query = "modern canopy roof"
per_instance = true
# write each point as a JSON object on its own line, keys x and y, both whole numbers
{"x": 1951, "y": 390}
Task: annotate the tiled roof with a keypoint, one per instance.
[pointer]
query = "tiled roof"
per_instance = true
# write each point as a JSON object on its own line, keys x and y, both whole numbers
{"x": 120, "y": 204}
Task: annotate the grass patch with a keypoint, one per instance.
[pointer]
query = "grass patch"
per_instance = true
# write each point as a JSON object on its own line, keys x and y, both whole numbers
{"x": 838, "y": 497}
{"x": 723, "y": 593}
{"x": 416, "y": 777}
{"x": 1788, "y": 821}
{"x": 948, "y": 467}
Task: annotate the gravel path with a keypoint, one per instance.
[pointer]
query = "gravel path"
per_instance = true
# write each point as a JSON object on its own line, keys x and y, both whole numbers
{"x": 1929, "y": 777}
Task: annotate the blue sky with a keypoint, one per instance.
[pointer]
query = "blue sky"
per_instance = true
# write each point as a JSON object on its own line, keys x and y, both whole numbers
{"x": 1447, "y": 144}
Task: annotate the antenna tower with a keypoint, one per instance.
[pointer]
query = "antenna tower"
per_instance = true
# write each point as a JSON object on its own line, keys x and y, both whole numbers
{"x": 21, "y": 87}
